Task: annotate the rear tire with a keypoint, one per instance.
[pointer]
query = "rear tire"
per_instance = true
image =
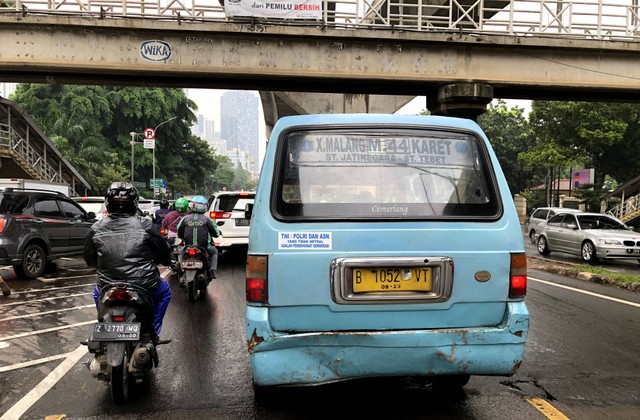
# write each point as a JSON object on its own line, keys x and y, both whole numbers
{"x": 193, "y": 291}
{"x": 119, "y": 382}
{"x": 451, "y": 381}
{"x": 34, "y": 261}
{"x": 532, "y": 237}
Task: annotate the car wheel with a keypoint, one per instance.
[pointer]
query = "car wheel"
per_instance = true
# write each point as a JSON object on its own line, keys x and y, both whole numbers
{"x": 532, "y": 236}
{"x": 542, "y": 246}
{"x": 588, "y": 252}
{"x": 34, "y": 261}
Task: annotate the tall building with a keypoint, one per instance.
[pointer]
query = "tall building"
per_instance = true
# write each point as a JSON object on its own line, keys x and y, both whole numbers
{"x": 239, "y": 124}
{"x": 209, "y": 129}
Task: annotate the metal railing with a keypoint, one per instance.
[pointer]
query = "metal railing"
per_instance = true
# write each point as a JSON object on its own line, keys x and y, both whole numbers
{"x": 627, "y": 210}
{"x": 580, "y": 19}
{"x": 14, "y": 144}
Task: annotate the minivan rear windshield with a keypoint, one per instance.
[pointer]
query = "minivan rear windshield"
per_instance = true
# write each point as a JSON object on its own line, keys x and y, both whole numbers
{"x": 383, "y": 173}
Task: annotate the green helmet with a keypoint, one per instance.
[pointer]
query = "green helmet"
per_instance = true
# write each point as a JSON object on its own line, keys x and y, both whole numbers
{"x": 181, "y": 205}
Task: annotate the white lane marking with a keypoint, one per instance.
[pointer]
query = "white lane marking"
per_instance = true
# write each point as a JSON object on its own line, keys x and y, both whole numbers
{"x": 33, "y": 362}
{"x": 45, "y": 385}
{"x": 46, "y": 299}
{"x": 51, "y": 289}
{"x": 47, "y": 312}
{"x": 52, "y": 279}
{"x": 63, "y": 327}
{"x": 586, "y": 292}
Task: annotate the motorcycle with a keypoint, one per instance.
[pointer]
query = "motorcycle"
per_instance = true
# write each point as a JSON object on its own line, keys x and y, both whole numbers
{"x": 194, "y": 264}
{"x": 176, "y": 250}
{"x": 123, "y": 341}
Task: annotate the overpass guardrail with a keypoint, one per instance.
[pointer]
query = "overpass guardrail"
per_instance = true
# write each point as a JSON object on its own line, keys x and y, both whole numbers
{"x": 580, "y": 19}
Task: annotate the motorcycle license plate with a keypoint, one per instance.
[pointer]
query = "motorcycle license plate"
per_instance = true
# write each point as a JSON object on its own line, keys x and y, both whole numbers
{"x": 191, "y": 264}
{"x": 116, "y": 331}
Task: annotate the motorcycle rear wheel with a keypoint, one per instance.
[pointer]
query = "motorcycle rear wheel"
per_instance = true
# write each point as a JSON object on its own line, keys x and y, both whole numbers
{"x": 119, "y": 382}
{"x": 193, "y": 291}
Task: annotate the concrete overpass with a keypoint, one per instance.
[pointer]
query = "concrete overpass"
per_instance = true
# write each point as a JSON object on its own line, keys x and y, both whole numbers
{"x": 387, "y": 57}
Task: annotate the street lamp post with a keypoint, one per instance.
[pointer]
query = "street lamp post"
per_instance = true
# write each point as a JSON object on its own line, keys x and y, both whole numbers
{"x": 133, "y": 143}
{"x": 154, "y": 154}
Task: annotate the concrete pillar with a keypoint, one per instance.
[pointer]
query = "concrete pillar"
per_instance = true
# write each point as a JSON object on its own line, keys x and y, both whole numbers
{"x": 521, "y": 208}
{"x": 464, "y": 99}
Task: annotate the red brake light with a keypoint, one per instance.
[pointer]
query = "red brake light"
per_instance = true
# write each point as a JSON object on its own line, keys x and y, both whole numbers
{"x": 163, "y": 231}
{"x": 192, "y": 252}
{"x": 219, "y": 215}
{"x": 518, "y": 276}
{"x": 256, "y": 279}
{"x": 118, "y": 318}
{"x": 3, "y": 221}
{"x": 119, "y": 296}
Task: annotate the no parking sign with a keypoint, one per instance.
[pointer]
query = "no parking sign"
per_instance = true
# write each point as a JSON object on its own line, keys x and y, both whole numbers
{"x": 149, "y": 135}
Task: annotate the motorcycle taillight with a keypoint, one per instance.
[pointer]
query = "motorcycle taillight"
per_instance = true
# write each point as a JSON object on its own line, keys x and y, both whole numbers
{"x": 192, "y": 252}
{"x": 163, "y": 231}
{"x": 118, "y": 318}
{"x": 119, "y": 295}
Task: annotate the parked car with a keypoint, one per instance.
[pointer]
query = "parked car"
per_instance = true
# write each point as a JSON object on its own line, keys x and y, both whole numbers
{"x": 37, "y": 227}
{"x": 227, "y": 211}
{"x": 95, "y": 204}
{"x": 591, "y": 236}
{"x": 541, "y": 214}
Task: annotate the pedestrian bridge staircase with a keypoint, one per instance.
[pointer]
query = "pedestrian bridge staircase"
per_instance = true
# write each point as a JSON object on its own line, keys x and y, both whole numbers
{"x": 26, "y": 152}
{"x": 628, "y": 211}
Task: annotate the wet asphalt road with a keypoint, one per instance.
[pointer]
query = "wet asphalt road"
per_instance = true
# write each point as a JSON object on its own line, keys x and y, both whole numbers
{"x": 581, "y": 358}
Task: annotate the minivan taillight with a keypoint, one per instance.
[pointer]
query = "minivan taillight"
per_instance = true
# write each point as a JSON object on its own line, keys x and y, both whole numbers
{"x": 256, "y": 279}
{"x": 518, "y": 276}
{"x": 213, "y": 215}
{"x": 3, "y": 221}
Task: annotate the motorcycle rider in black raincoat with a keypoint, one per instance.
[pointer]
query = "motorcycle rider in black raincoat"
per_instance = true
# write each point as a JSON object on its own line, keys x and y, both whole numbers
{"x": 125, "y": 247}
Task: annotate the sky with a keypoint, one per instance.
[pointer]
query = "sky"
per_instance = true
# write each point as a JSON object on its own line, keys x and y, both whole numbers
{"x": 208, "y": 101}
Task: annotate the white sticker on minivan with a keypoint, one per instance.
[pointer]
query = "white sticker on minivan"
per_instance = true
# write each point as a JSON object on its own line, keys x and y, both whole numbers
{"x": 304, "y": 240}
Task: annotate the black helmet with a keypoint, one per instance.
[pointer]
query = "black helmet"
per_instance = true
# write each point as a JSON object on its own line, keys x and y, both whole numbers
{"x": 122, "y": 197}
{"x": 164, "y": 204}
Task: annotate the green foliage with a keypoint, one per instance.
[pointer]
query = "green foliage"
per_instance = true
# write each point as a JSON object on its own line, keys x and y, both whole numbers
{"x": 587, "y": 134}
{"x": 509, "y": 134}
{"x": 92, "y": 125}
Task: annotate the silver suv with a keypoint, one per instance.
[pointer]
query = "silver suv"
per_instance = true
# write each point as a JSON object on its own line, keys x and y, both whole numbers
{"x": 227, "y": 211}
{"x": 541, "y": 214}
{"x": 37, "y": 227}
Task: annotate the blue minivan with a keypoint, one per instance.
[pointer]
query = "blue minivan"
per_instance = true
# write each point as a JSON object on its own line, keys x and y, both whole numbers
{"x": 383, "y": 245}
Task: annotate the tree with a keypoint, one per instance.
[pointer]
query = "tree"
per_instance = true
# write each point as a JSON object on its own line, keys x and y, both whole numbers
{"x": 92, "y": 123}
{"x": 595, "y": 135}
{"x": 509, "y": 134}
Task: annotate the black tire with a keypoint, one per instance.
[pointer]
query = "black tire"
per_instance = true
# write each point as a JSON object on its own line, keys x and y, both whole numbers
{"x": 542, "y": 246}
{"x": 193, "y": 291}
{"x": 264, "y": 395}
{"x": 119, "y": 382}
{"x": 451, "y": 381}
{"x": 532, "y": 236}
{"x": 34, "y": 261}
{"x": 588, "y": 252}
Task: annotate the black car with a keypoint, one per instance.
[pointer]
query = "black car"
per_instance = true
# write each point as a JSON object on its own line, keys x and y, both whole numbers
{"x": 37, "y": 227}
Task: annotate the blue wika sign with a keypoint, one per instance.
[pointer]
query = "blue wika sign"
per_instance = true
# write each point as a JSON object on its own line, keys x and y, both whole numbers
{"x": 155, "y": 50}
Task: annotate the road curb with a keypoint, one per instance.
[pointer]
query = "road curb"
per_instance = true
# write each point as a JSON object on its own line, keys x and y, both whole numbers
{"x": 570, "y": 270}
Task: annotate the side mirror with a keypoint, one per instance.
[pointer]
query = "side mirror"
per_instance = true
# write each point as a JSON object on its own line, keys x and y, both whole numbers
{"x": 248, "y": 210}
{"x": 572, "y": 226}
{"x": 91, "y": 215}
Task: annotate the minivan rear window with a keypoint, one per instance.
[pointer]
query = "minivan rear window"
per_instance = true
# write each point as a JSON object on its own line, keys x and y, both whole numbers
{"x": 372, "y": 173}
